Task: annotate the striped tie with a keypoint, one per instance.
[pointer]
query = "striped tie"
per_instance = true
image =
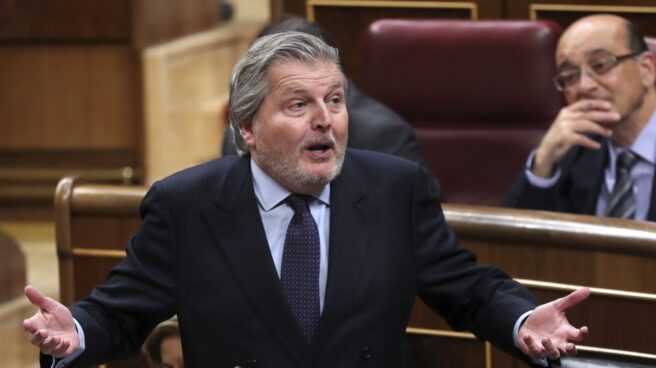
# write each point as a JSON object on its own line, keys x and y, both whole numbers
{"x": 622, "y": 202}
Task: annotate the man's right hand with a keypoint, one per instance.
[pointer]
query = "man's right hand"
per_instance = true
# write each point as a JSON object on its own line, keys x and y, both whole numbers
{"x": 52, "y": 328}
{"x": 570, "y": 129}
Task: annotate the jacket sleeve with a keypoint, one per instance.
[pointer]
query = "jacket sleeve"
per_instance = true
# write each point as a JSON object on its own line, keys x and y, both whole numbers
{"x": 474, "y": 297}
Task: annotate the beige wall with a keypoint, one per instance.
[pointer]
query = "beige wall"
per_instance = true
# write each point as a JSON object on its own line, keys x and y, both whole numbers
{"x": 251, "y": 10}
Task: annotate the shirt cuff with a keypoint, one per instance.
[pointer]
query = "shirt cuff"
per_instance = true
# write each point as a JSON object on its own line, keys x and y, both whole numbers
{"x": 518, "y": 324}
{"x": 66, "y": 361}
{"x": 536, "y": 180}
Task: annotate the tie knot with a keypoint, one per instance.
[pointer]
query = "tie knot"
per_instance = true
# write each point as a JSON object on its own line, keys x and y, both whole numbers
{"x": 626, "y": 160}
{"x": 299, "y": 202}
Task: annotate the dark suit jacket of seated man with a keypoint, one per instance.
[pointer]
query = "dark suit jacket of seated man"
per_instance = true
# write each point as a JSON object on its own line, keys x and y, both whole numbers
{"x": 210, "y": 247}
{"x": 607, "y": 77}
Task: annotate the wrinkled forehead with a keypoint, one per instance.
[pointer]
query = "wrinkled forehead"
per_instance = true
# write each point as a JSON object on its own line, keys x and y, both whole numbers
{"x": 585, "y": 39}
{"x": 287, "y": 73}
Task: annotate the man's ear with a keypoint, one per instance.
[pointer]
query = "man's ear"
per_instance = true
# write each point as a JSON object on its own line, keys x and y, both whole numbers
{"x": 246, "y": 131}
{"x": 648, "y": 68}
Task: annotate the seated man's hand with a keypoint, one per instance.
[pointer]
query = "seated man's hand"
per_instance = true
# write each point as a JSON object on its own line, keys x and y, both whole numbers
{"x": 547, "y": 333}
{"x": 52, "y": 328}
{"x": 571, "y": 127}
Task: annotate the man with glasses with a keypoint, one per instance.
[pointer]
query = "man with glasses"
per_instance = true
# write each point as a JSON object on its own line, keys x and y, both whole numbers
{"x": 598, "y": 155}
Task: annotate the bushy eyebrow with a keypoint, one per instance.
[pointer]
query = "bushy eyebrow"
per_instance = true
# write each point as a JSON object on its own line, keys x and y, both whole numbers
{"x": 335, "y": 87}
{"x": 300, "y": 91}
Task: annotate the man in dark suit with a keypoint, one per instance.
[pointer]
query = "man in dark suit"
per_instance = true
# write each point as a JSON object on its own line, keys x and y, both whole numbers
{"x": 372, "y": 125}
{"x": 606, "y": 74}
{"x": 220, "y": 246}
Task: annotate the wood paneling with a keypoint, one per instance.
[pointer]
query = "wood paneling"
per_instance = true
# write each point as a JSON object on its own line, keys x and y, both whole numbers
{"x": 430, "y": 348}
{"x": 157, "y": 21}
{"x": 137, "y": 23}
{"x": 28, "y": 20}
{"x": 616, "y": 256}
{"x": 68, "y": 97}
{"x": 71, "y": 82}
{"x": 283, "y": 7}
{"x": 641, "y": 12}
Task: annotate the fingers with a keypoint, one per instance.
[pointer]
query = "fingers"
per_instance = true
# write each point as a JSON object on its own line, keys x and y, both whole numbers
{"x": 534, "y": 350}
{"x": 51, "y": 345}
{"x": 572, "y": 299}
{"x": 600, "y": 117}
{"x": 572, "y": 127}
{"x": 550, "y": 350}
{"x": 542, "y": 349}
{"x": 38, "y": 337}
{"x": 590, "y": 104}
{"x": 570, "y": 349}
{"x": 30, "y": 325}
{"x": 585, "y": 116}
{"x": 577, "y": 335}
{"x": 588, "y": 122}
{"x": 546, "y": 348}
{"x": 61, "y": 350}
{"x": 38, "y": 299}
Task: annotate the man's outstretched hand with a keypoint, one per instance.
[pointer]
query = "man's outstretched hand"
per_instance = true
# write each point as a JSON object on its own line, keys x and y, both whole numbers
{"x": 548, "y": 333}
{"x": 52, "y": 328}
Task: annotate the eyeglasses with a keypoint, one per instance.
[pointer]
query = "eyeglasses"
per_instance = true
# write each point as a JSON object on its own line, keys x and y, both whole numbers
{"x": 596, "y": 67}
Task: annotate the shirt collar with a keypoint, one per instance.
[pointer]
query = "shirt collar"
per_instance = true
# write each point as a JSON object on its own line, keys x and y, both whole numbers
{"x": 643, "y": 146}
{"x": 270, "y": 193}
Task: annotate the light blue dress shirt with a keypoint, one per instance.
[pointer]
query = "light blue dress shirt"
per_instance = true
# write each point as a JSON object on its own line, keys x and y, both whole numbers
{"x": 277, "y": 215}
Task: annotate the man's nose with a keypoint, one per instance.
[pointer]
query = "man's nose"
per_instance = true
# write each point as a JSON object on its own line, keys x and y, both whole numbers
{"x": 587, "y": 81}
{"x": 322, "y": 118}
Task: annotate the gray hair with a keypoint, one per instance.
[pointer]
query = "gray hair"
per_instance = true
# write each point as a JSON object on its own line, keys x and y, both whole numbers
{"x": 249, "y": 83}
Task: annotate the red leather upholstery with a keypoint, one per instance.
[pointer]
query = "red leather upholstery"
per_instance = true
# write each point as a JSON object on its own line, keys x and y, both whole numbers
{"x": 479, "y": 95}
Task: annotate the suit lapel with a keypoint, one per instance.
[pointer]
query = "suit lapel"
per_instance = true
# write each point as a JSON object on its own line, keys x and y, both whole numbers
{"x": 587, "y": 179}
{"x": 352, "y": 212}
{"x": 236, "y": 226}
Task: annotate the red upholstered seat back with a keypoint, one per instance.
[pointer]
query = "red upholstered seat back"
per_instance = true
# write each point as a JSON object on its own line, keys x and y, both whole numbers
{"x": 479, "y": 95}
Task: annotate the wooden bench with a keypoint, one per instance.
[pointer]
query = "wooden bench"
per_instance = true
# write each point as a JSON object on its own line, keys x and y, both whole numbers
{"x": 550, "y": 253}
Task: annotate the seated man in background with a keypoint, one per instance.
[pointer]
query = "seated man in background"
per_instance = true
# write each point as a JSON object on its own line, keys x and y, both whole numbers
{"x": 598, "y": 156}
{"x": 372, "y": 125}
{"x": 164, "y": 347}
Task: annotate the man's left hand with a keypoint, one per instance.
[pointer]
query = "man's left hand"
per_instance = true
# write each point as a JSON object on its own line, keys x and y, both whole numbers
{"x": 548, "y": 333}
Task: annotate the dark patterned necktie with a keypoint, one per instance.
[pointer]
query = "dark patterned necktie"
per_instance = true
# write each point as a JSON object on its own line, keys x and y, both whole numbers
{"x": 622, "y": 203}
{"x": 300, "y": 265}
